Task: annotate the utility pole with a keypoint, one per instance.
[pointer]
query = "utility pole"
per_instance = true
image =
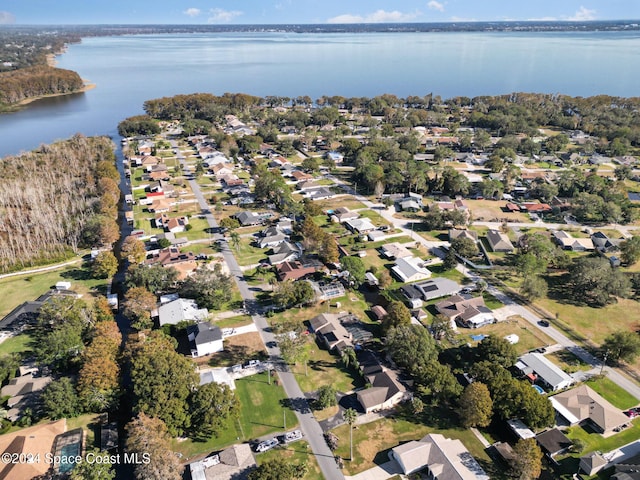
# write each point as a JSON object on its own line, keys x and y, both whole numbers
{"x": 604, "y": 361}
{"x": 284, "y": 419}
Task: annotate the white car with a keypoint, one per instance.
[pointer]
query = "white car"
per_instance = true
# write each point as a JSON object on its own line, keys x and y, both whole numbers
{"x": 266, "y": 445}
{"x": 292, "y": 436}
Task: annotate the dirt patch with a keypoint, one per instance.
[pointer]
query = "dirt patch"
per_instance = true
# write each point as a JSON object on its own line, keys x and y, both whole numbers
{"x": 238, "y": 349}
{"x": 490, "y": 210}
{"x": 369, "y": 448}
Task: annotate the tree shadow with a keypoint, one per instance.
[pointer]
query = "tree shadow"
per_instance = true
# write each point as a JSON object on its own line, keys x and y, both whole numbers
{"x": 77, "y": 274}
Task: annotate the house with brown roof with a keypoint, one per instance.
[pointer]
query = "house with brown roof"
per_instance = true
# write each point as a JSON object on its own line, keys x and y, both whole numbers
{"x": 443, "y": 458}
{"x": 470, "y": 234}
{"x": 582, "y": 404}
{"x": 531, "y": 207}
{"x": 468, "y": 311}
{"x": 295, "y": 270}
{"x": 384, "y": 392}
{"x": 178, "y": 224}
{"x": 395, "y": 250}
{"x": 160, "y": 205}
{"x": 233, "y": 463}
{"x": 330, "y": 331}
{"x": 378, "y": 312}
{"x": 300, "y": 176}
{"x": 184, "y": 263}
{"x": 499, "y": 242}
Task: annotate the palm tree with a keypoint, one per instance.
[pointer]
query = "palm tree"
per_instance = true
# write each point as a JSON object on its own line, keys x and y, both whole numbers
{"x": 350, "y": 416}
{"x": 235, "y": 240}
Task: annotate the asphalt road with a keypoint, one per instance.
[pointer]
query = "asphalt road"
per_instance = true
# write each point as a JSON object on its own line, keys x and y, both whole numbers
{"x": 308, "y": 424}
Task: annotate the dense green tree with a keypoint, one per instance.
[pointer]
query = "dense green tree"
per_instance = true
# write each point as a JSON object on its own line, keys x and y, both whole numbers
{"x": 95, "y": 470}
{"x": 437, "y": 382}
{"x": 622, "y": 345}
{"x": 162, "y": 382}
{"x": 310, "y": 164}
{"x": 534, "y": 287}
{"x": 210, "y": 406}
{"x": 465, "y": 247}
{"x": 326, "y": 397}
{"x": 496, "y": 350}
{"x": 527, "y": 459}
{"x": 59, "y": 399}
{"x": 630, "y": 250}
{"x": 154, "y": 278}
{"x": 138, "y": 125}
{"x": 355, "y": 267}
{"x": 411, "y": 346}
{"x": 593, "y": 281}
{"x": 149, "y": 438}
{"x": 133, "y": 250}
{"x": 210, "y": 288}
{"x": 279, "y": 469}
{"x": 9, "y": 365}
{"x": 397, "y": 315}
{"x": 105, "y": 265}
{"x": 475, "y": 407}
{"x": 290, "y": 293}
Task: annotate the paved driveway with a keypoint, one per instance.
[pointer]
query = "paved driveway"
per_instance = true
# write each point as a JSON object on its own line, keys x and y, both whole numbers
{"x": 379, "y": 472}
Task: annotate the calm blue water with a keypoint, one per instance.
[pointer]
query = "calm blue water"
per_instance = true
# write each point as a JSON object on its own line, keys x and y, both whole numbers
{"x": 131, "y": 69}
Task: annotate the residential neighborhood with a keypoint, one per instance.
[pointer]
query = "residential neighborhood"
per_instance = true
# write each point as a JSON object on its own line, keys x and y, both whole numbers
{"x": 424, "y": 313}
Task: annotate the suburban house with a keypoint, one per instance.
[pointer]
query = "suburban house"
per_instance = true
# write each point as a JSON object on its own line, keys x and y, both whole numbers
{"x": 437, "y": 288}
{"x": 272, "y": 236}
{"x": 285, "y": 252}
{"x": 176, "y": 225}
{"x": 319, "y": 193}
{"x": 499, "y": 242}
{"x": 592, "y": 463}
{"x": 538, "y": 368}
{"x": 222, "y": 169}
{"x": 205, "y": 339}
{"x": 412, "y": 202}
{"x": 412, "y": 294}
{"x": 531, "y": 207}
{"x": 605, "y": 244}
{"x": 443, "y": 458}
{"x": 296, "y": 270}
{"x": 359, "y": 225}
{"x": 330, "y": 331}
{"x": 248, "y": 218}
{"x": 410, "y": 269}
{"x": 23, "y": 392}
{"x": 378, "y": 312}
{"x": 470, "y": 234}
{"x": 336, "y": 157}
{"x": 160, "y": 205}
{"x": 232, "y": 463}
{"x": 327, "y": 291}
{"x": 299, "y": 176}
{"x": 468, "y": 311}
{"x": 385, "y": 390}
{"x": 553, "y": 442}
{"x": 582, "y": 404}
{"x": 180, "y": 310}
{"x": 395, "y": 250}
{"x": 172, "y": 257}
{"x": 342, "y": 214}
{"x": 33, "y": 442}
{"x": 567, "y": 242}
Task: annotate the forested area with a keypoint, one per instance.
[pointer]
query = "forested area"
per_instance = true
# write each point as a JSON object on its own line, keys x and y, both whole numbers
{"x": 57, "y": 199}
{"x": 18, "y": 85}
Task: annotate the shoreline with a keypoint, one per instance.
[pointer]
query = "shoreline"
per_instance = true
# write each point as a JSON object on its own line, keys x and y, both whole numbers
{"x": 26, "y": 101}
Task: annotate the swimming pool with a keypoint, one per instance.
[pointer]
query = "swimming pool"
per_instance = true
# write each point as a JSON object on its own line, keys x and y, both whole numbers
{"x": 539, "y": 389}
{"x": 68, "y": 451}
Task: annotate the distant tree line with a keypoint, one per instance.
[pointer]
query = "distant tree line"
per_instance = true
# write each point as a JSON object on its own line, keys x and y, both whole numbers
{"x": 30, "y": 82}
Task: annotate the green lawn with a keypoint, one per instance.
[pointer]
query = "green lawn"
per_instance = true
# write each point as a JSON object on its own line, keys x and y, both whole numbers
{"x": 234, "y": 322}
{"x": 261, "y": 413}
{"x": 296, "y": 453}
{"x": 614, "y": 394}
{"x": 16, "y": 290}
{"x": 18, "y": 344}
{"x": 325, "y": 369}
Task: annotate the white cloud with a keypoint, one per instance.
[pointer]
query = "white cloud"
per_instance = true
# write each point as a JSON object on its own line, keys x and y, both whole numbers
{"x": 379, "y": 16}
{"x": 218, "y": 15}
{"x": 433, "y": 5}
{"x": 583, "y": 15}
{"x": 6, "y": 18}
{"x": 192, "y": 12}
{"x": 543, "y": 19}
{"x": 463, "y": 19}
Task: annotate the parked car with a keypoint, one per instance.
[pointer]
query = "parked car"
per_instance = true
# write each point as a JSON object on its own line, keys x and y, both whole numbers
{"x": 266, "y": 445}
{"x": 292, "y": 436}
{"x": 252, "y": 363}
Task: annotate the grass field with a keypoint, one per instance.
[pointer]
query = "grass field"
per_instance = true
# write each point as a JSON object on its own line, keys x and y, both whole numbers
{"x": 261, "y": 413}
{"x": 238, "y": 349}
{"x": 617, "y": 396}
{"x": 529, "y": 336}
{"x": 17, "y": 344}
{"x": 19, "y": 289}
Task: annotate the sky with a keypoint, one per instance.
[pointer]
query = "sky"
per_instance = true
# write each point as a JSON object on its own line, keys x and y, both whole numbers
{"x": 25, "y": 12}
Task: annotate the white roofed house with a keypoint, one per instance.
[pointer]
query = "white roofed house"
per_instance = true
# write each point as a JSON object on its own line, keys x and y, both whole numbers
{"x": 410, "y": 269}
{"x": 539, "y": 369}
{"x": 359, "y": 225}
{"x": 180, "y": 310}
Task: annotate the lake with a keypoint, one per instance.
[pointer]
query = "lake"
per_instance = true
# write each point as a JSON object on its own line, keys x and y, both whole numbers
{"x": 128, "y": 70}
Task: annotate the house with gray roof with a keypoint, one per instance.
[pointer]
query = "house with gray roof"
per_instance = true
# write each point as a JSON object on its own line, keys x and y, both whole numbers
{"x": 233, "y": 463}
{"x": 437, "y": 288}
{"x": 205, "y": 339}
{"x": 180, "y": 310}
{"x": 285, "y": 252}
{"x": 470, "y": 234}
{"x": 410, "y": 269}
{"x": 468, "y": 311}
{"x": 539, "y": 369}
{"x": 384, "y": 391}
{"x": 248, "y": 218}
{"x": 443, "y": 459}
{"x": 359, "y": 225}
{"x": 499, "y": 242}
